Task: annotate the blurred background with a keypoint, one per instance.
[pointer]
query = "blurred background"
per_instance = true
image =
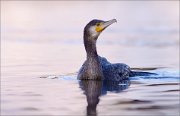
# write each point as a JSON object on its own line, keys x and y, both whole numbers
{"x": 51, "y": 33}
{"x": 46, "y": 38}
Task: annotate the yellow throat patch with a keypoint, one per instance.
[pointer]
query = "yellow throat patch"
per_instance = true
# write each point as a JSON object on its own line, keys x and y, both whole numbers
{"x": 99, "y": 27}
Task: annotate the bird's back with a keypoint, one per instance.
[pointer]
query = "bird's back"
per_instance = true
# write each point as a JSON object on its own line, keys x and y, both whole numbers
{"x": 114, "y": 72}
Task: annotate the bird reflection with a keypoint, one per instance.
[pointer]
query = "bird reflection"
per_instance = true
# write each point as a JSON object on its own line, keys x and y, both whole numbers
{"x": 93, "y": 89}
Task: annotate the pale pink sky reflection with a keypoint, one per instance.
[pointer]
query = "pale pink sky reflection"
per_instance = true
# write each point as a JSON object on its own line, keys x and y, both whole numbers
{"x": 51, "y": 32}
{"x": 55, "y": 20}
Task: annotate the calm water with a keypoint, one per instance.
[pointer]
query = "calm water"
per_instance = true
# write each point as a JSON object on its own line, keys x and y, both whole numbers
{"x": 42, "y": 50}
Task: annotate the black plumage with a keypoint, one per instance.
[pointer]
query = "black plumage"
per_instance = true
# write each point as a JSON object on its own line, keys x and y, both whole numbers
{"x": 96, "y": 67}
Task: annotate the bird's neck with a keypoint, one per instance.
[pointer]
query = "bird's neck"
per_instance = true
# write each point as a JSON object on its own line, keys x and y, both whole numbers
{"x": 94, "y": 68}
{"x": 90, "y": 46}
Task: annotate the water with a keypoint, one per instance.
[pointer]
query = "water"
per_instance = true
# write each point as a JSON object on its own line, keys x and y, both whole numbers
{"x": 42, "y": 50}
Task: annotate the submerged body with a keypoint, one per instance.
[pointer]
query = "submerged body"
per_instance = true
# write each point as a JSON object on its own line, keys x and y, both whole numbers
{"x": 114, "y": 72}
{"x": 96, "y": 67}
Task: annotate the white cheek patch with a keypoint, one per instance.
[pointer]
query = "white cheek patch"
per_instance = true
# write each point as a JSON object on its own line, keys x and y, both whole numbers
{"x": 93, "y": 31}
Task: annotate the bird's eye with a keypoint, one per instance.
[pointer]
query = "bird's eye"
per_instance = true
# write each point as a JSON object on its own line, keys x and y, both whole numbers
{"x": 98, "y": 24}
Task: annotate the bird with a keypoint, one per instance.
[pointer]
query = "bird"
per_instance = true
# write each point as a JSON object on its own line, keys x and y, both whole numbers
{"x": 96, "y": 67}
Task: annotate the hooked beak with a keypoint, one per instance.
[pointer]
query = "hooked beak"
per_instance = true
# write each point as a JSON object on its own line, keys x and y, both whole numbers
{"x": 107, "y": 23}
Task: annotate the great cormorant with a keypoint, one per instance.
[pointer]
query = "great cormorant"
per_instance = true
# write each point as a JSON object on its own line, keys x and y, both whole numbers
{"x": 96, "y": 67}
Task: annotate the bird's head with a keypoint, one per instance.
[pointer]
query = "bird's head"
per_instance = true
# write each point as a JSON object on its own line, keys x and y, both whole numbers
{"x": 95, "y": 27}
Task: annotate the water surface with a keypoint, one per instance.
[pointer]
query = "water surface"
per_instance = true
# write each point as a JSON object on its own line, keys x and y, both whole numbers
{"x": 44, "y": 39}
